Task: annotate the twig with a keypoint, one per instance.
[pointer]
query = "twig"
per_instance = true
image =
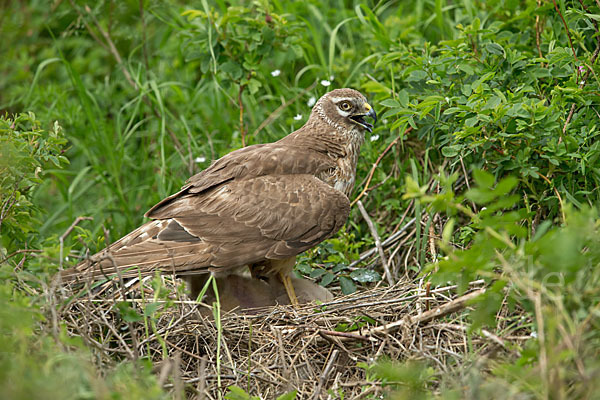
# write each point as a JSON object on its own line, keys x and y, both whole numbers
{"x": 347, "y": 335}
{"x": 427, "y": 316}
{"x": 560, "y": 200}
{"x": 202, "y": 381}
{"x": 374, "y": 167}
{"x": 284, "y": 363}
{"x": 483, "y": 332}
{"x": 464, "y": 170}
{"x": 427, "y": 294}
{"x": 56, "y": 282}
{"x": 177, "y": 381}
{"x": 431, "y": 238}
{"x": 373, "y": 230}
{"x": 493, "y": 338}
{"x": 8, "y": 203}
{"x": 111, "y": 47}
{"x": 164, "y": 371}
{"x": 62, "y": 238}
{"x": 241, "y": 106}
{"x": 326, "y": 372}
{"x": 387, "y": 242}
{"x": 22, "y": 251}
{"x": 566, "y": 29}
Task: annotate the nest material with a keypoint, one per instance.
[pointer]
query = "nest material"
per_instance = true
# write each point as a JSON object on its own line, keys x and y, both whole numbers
{"x": 314, "y": 349}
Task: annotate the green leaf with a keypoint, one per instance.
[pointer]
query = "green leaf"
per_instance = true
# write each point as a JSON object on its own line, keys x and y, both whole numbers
{"x": 127, "y": 312}
{"x": 233, "y": 69}
{"x": 317, "y": 272}
{"x": 288, "y": 396}
{"x": 495, "y": 48}
{"x": 403, "y": 98}
{"x": 327, "y": 279}
{"x": 505, "y": 186}
{"x": 254, "y": 85}
{"x": 347, "y": 285}
{"x": 483, "y": 178}
{"x": 480, "y": 195}
{"x": 466, "y": 68}
{"x": 451, "y": 151}
{"x": 364, "y": 275}
{"x": 151, "y": 308}
{"x": 390, "y": 103}
{"x": 237, "y": 393}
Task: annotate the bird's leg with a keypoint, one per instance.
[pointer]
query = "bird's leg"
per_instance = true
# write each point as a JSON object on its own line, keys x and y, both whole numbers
{"x": 289, "y": 288}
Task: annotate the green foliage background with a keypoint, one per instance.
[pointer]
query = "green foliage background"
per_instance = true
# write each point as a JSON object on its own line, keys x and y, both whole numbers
{"x": 492, "y": 107}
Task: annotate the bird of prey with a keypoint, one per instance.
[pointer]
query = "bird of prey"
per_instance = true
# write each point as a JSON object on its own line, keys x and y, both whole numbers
{"x": 258, "y": 206}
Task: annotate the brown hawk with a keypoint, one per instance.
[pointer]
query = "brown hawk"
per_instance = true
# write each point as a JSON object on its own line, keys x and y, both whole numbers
{"x": 258, "y": 206}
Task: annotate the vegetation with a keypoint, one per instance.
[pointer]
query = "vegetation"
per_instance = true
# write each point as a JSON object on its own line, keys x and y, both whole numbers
{"x": 489, "y": 119}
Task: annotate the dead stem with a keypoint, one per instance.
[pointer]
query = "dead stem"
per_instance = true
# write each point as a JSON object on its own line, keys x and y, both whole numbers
{"x": 378, "y": 245}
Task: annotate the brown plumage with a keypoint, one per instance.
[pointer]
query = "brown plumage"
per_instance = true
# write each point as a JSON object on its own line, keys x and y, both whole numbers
{"x": 259, "y": 206}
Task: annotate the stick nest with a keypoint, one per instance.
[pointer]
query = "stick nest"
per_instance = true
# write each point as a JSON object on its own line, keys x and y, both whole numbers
{"x": 315, "y": 349}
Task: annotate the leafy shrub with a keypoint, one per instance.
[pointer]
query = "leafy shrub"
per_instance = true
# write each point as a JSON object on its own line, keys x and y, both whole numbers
{"x": 489, "y": 98}
{"x": 552, "y": 275}
{"x": 26, "y": 153}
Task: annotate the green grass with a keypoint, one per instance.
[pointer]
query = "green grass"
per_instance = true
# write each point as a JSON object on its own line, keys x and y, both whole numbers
{"x": 145, "y": 102}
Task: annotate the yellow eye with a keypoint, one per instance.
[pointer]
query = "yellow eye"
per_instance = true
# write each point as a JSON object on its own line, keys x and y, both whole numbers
{"x": 345, "y": 106}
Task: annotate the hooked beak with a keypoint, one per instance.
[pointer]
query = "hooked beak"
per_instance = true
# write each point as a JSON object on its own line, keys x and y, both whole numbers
{"x": 359, "y": 118}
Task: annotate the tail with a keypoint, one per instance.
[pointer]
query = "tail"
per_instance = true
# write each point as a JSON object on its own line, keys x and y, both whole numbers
{"x": 142, "y": 253}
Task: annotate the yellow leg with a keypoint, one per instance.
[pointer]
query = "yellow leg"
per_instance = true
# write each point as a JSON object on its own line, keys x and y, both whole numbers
{"x": 289, "y": 288}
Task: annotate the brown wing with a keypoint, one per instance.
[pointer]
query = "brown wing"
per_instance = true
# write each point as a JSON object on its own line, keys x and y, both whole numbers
{"x": 242, "y": 221}
{"x": 253, "y": 161}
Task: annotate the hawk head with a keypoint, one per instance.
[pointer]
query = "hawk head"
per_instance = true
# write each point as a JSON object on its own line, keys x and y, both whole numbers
{"x": 345, "y": 110}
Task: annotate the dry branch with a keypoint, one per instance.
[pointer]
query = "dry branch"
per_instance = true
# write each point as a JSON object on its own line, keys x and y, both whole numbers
{"x": 427, "y": 316}
{"x": 374, "y": 167}
{"x": 378, "y": 245}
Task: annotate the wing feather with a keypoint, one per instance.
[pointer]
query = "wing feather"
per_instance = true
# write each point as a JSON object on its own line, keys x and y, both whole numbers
{"x": 252, "y": 161}
{"x": 239, "y": 222}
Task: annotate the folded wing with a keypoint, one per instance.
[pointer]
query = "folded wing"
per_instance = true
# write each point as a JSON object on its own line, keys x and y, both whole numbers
{"x": 239, "y": 221}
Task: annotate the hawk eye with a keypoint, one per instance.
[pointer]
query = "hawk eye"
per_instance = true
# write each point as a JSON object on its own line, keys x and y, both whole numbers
{"x": 345, "y": 106}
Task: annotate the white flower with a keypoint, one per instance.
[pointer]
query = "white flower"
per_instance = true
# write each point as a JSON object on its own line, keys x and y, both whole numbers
{"x": 311, "y": 102}
{"x": 533, "y": 334}
{"x": 276, "y": 73}
{"x": 331, "y": 77}
{"x": 200, "y": 159}
{"x": 447, "y": 99}
{"x": 298, "y": 117}
{"x": 374, "y": 138}
{"x": 325, "y": 82}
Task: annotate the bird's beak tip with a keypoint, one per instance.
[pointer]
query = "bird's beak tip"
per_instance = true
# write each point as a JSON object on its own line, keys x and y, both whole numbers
{"x": 371, "y": 112}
